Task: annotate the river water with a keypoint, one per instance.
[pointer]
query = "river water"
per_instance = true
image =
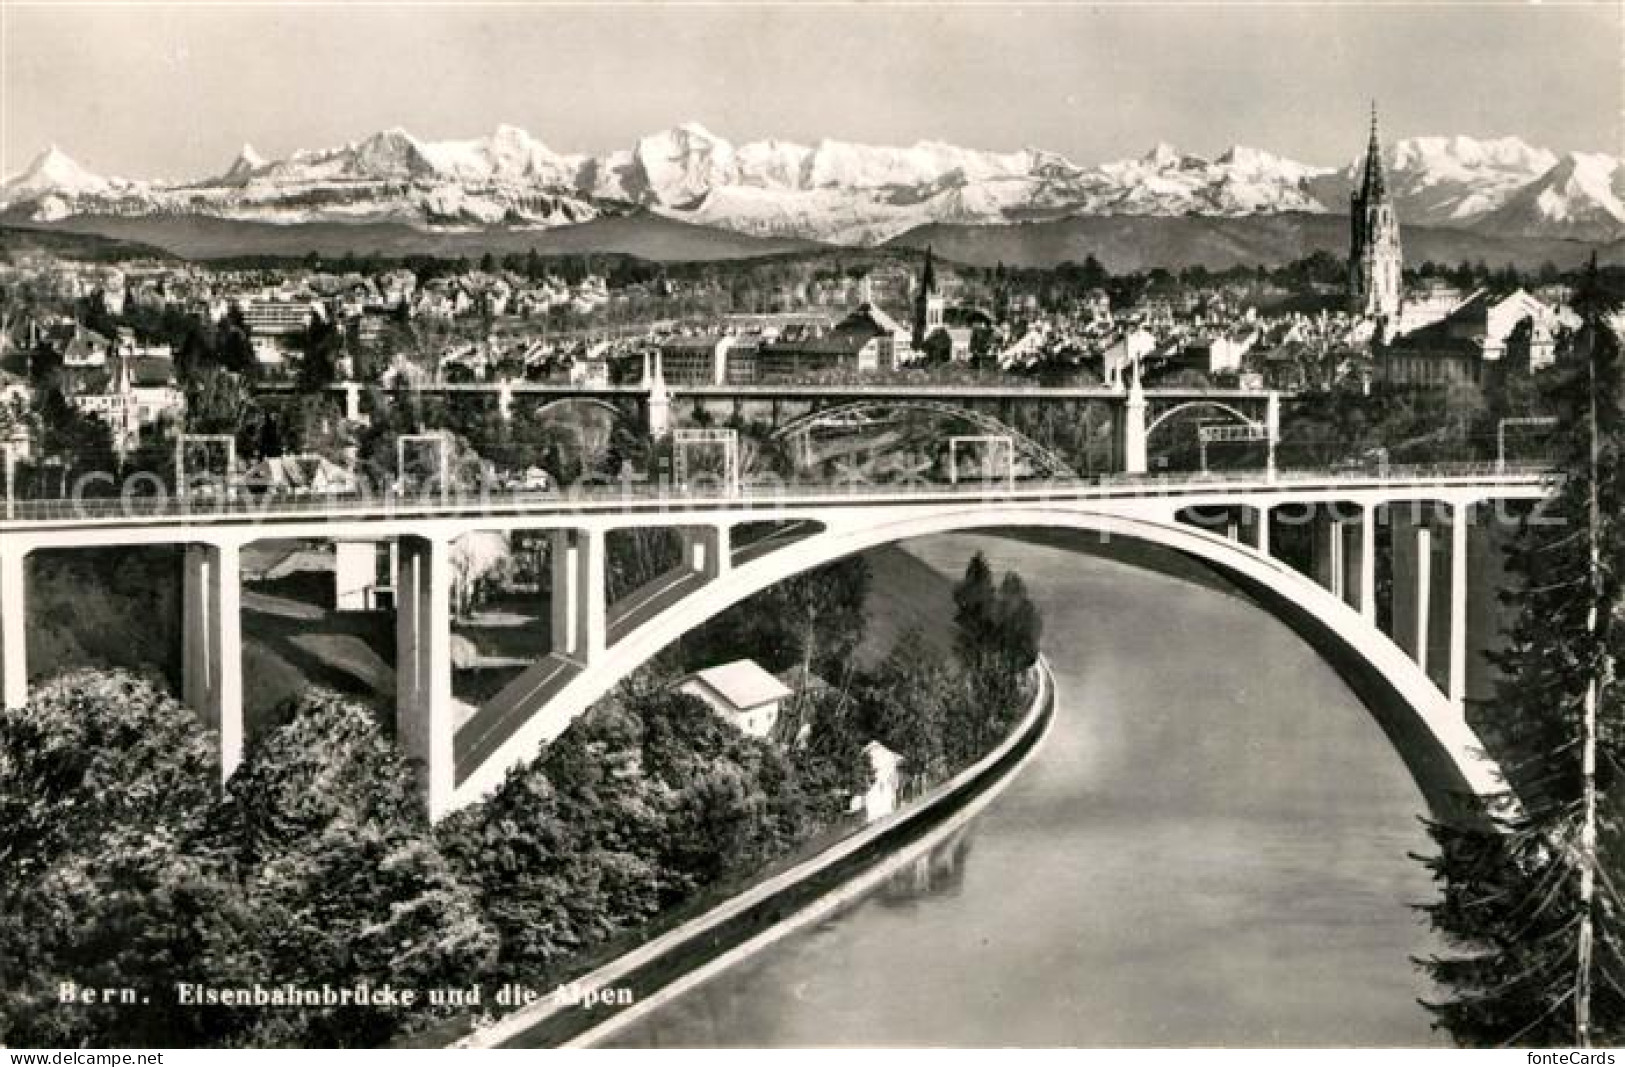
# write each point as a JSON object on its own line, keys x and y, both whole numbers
{"x": 1210, "y": 848}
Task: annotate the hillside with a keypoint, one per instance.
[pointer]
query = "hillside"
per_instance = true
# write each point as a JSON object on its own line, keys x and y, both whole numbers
{"x": 641, "y": 234}
{"x": 1139, "y": 242}
{"x": 1121, "y": 242}
{"x": 14, "y": 240}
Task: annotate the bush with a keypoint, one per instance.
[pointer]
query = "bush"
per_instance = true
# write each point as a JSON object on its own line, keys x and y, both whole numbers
{"x": 106, "y": 786}
{"x": 126, "y": 868}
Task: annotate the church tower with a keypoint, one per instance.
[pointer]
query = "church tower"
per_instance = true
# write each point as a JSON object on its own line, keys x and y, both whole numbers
{"x": 1374, "y": 254}
{"x": 928, "y": 303}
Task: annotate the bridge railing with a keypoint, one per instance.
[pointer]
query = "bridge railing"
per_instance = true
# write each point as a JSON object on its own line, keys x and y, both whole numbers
{"x": 868, "y": 387}
{"x": 599, "y": 495}
{"x": 1351, "y": 473}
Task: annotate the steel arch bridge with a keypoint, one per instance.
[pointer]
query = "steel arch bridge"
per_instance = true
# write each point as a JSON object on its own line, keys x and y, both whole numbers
{"x": 856, "y": 415}
{"x": 1192, "y": 405}
{"x": 619, "y": 414}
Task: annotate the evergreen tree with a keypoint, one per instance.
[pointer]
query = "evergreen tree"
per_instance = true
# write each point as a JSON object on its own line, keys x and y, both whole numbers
{"x": 1019, "y": 626}
{"x": 1530, "y": 903}
{"x": 974, "y": 600}
{"x": 323, "y": 345}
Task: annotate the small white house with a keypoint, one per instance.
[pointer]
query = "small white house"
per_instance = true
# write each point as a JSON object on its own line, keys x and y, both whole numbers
{"x": 271, "y": 352}
{"x": 364, "y": 575}
{"x": 14, "y": 390}
{"x": 885, "y": 773}
{"x": 742, "y": 692}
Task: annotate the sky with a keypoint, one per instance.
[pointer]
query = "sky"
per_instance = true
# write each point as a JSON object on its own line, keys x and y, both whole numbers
{"x": 174, "y": 90}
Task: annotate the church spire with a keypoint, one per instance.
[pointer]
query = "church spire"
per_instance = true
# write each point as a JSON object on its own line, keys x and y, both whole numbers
{"x": 1374, "y": 186}
{"x": 928, "y": 306}
{"x": 1376, "y": 262}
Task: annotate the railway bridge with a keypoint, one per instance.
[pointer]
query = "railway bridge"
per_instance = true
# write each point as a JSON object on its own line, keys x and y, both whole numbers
{"x": 1437, "y": 528}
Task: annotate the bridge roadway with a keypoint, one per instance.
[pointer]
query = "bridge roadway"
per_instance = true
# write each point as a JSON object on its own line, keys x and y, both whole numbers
{"x": 653, "y": 400}
{"x": 161, "y": 518}
{"x": 596, "y": 643}
{"x": 789, "y": 391}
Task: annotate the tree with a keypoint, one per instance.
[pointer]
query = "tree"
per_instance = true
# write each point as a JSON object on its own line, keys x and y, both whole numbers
{"x": 565, "y": 853}
{"x": 105, "y": 789}
{"x": 124, "y": 868}
{"x": 1530, "y": 904}
{"x": 1017, "y": 626}
{"x": 324, "y": 343}
{"x": 997, "y": 639}
{"x": 314, "y": 424}
{"x": 233, "y": 348}
{"x": 343, "y": 873}
{"x": 814, "y": 621}
{"x": 75, "y": 437}
{"x": 217, "y": 401}
{"x": 974, "y": 600}
{"x": 911, "y": 705}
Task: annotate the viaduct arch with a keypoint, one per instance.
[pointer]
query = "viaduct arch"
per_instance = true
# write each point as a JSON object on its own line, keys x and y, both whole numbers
{"x": 1442, "y": 752}
{"x": 1039, "y": 456}
{"x": 563, "y": 403}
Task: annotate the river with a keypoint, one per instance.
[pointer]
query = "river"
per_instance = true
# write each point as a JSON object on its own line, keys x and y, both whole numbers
{"x": 1210, "y": 848}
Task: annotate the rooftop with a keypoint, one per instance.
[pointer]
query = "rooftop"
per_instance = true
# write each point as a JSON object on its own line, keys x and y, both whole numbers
{"x": 744, "y": 684}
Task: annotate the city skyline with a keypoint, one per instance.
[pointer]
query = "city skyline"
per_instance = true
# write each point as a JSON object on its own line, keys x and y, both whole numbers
{"x": 157, "y": 91}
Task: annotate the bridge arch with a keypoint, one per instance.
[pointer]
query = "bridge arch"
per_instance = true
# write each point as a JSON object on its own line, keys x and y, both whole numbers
{"x": 1191, "y": 405}
{"x": 1444, "y": 755}
{"x": 562, "y": 402}
{"x": 1041, "y": 458}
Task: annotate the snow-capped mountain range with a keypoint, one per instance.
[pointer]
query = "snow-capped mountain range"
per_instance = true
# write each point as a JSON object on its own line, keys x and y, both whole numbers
{"x": 834, "y": 191}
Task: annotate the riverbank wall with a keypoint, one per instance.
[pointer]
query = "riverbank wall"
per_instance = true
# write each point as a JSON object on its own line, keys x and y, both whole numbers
{"x": 593, "y": 1007}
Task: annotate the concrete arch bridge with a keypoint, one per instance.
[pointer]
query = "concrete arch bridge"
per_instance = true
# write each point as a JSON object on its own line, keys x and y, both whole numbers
{"x": 1414, "y": 672}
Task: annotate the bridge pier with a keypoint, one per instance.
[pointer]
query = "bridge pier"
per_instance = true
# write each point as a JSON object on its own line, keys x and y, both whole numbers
{"x": 1430, "y": 591}
{"x": 657, "y": 407}
{"x": 352, "y": 401}
{"x": 1255, "y": 526}
{"x": 1131, "y": 432}
{"x": 212, "y": 645}
{"x": 424, "y": 717}
{"x": 706, "y": 549}
{"x": 13, "y": 626}
{"x": 561, "y": 601}
{"x": 1460, "y": 522}
{"x": 580, "y": 594}
{"x": 505, "y": 400}
{"x": 1331, "y": 564}
{"x": 1272, "y": 432}
{"x": 1343, "y": 560}
{"x": 1365, "y": 566}
{"x": 1413, "y": 584}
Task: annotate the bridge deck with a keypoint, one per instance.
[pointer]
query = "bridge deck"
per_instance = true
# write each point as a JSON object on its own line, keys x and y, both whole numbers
{"x": 641, "y": 605}
{"x": 489, "y": 727}
{"x": 633, "y": 499}
{"x": 782, "y": 538}
{"x": 495, "y": 721}
{"x": 794, "y": 391}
